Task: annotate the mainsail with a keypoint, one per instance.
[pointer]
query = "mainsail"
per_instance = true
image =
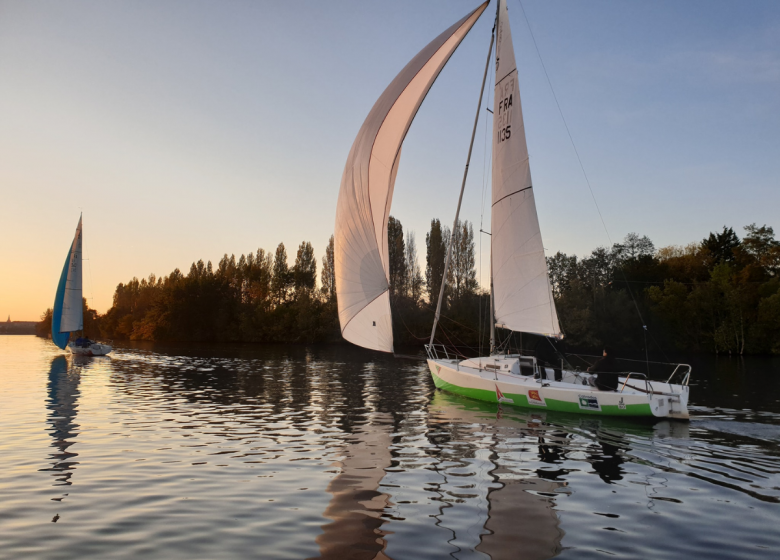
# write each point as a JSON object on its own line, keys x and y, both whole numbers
{"x": 521, "y": 287}
{"x": 361, "y": 253}
{"x": 67, "y": 314}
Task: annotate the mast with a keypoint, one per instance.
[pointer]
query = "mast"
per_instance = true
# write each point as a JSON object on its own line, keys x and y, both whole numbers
{"x": 492, "y": 304}
{"x": 462, "y": 188}
{"x": 492, "y": 301}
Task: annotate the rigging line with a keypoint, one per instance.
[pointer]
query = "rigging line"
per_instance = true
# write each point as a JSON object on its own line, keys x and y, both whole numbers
{"x": 558, "y": 352}
{"x": 482, "y": 215}
{"x": 577, "y": 153}
{"x": 444, "y": 316}
{"x": 462, "y": 188}
{"x": 624, "y": 359}
{"x": 565, "y": 124}
{"x": 399, "y": 316}
{"x": 452, "y": 343}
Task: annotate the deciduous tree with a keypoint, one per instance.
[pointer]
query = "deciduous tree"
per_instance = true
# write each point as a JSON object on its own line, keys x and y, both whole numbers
{"x": 414, "y": 279}
{"x": 305, "y": 270}
{"x": 436, "y": 242}
{"x": 396, "y": 257}
{"x": 280, "y": 283}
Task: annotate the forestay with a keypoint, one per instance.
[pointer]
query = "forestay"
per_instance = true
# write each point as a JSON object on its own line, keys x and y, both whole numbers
{"x": 521, "y": 287}
{"x": 67, "y": 314}
{"x": 361, "y": 252}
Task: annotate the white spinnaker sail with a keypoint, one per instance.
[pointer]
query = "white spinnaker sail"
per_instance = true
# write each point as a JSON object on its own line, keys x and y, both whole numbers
{"x": 72, "y": 313}
{"x": 521, "y": 287}
{"x": 361, "y": 259}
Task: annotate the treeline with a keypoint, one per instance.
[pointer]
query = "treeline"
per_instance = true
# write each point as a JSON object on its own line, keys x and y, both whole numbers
{"x": 260, "y": 298}
{"x": 255, "y": 298}
{"x": 719, "y": 295}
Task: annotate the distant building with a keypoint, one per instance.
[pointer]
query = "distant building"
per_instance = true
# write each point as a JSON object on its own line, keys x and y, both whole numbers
{"x": 17, "y": 327}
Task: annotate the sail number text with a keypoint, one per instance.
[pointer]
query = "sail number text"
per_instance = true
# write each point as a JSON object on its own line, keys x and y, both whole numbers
{"x": 504, "y": 114}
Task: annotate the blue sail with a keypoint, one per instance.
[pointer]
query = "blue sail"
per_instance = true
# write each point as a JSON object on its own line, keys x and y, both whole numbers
{"x": 60, "y": 339}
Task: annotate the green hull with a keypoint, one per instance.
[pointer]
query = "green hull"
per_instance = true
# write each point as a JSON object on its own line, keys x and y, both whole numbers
{"x": 521, "y": 400}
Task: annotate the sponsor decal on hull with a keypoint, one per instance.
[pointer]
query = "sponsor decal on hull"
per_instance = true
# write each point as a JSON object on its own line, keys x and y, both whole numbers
{"x": 588, "y": 402}
{"x": 501, "y": 398}
{"x": 535, "y": 398}
{"x": 621, "y": 404}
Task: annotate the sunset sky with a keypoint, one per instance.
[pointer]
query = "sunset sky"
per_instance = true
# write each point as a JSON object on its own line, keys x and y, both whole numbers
{"x": 189, "y": 129}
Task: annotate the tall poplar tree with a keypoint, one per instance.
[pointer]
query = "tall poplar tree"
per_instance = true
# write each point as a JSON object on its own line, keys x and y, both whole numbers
{"x": 260, "y": 278}
{"x": 396, "y": 257}
{"x": 414, "y": 279}
{"x": 281, "y": 276}
{"x": 304, "y": 271}
{"x": 328, "y": 275}
{"x": 436, "y": 242}
{"x": 463, "y": 273}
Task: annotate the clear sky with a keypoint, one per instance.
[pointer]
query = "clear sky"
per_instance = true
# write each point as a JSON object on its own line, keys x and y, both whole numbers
{"x": 188, "y": 129}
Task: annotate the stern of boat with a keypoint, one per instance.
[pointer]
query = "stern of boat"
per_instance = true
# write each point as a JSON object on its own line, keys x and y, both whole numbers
{"x": 670, "y": 401}
{"x": 95, "y": 349}
{"x": 667, "y": 400}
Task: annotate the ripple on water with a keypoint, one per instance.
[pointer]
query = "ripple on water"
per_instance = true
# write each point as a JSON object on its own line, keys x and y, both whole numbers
{"x": 291, "y": 452}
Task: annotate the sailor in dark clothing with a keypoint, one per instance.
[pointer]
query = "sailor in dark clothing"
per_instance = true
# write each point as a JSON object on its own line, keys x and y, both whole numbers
{"x": 83, "y": 342}
{"x": 606, "y": 378}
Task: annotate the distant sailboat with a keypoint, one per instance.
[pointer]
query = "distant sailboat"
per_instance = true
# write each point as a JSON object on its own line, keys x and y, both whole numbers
{"x": 521, "y": 295}
{"x": 67, "y": 314}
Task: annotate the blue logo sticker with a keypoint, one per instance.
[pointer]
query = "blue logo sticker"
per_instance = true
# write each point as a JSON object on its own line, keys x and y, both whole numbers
{"x": 588, "y": 402}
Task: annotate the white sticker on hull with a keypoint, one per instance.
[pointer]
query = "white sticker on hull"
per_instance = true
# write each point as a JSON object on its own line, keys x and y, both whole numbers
{"x": 501, "y": 398}
{"x": 588, "y": 402}
{"x": 535, "y": 398}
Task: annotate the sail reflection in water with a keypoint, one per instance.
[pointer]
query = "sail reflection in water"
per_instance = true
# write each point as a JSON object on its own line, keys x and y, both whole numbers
{"x": 357, "y": 506}
{"x": 332, "y": 452}
{"x": 63, "y": 392}
{"x": 518, "y": 517}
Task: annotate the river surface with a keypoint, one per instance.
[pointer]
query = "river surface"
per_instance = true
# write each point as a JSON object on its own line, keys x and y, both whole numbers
{"x": 213, "y": 452}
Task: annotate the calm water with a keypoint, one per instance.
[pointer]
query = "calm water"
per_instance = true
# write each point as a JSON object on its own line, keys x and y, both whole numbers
{"x": 332, "y": 452}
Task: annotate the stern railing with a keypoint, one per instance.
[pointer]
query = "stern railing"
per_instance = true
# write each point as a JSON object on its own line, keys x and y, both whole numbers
{"x": 686, "y": 373}
{"x": 628, "y": 375}
{"x": 433, "y": 351}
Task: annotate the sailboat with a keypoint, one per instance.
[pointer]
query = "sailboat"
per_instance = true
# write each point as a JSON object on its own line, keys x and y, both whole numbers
{"x": 521, "y": 294}
{"x": 68, "y": 314}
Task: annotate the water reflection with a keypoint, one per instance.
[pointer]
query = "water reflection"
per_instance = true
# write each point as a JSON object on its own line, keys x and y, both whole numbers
{"x": 356, "y": 506}
{"x": 333, "y": 453}
{"x": 522, "y": 521}
{"x": 518, "y": 517}
{"x": 62, "y": 403}
{"x": 606, "y": 459}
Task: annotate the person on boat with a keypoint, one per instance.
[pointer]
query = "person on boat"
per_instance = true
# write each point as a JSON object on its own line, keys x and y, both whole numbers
{"x": 606, "y": 378}
{"x": 83, "y": 342}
